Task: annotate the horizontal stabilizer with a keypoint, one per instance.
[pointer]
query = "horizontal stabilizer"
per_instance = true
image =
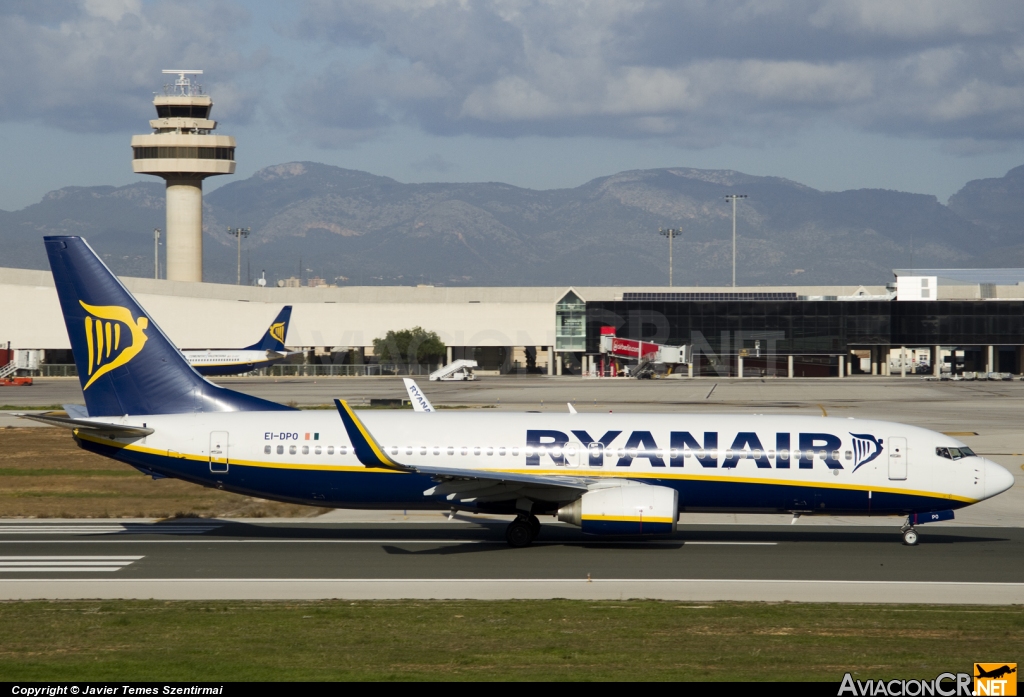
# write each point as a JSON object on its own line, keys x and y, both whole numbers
{"x": 76, "y": 411}
{"x": 98, "y": 427}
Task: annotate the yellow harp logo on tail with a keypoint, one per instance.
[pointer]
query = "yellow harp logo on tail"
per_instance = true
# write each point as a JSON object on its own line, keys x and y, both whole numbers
{"x": 103, "y": 330}
{"x": 277, "y": 331}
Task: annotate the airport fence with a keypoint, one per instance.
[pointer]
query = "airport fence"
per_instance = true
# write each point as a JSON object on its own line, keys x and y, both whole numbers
{"x": 322, "y": 370}
{"x": 59, "y": 370}
{"x": 54, "y": 370}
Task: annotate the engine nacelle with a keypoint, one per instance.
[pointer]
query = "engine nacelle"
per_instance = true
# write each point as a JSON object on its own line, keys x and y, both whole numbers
{"x": 630, "y": 509}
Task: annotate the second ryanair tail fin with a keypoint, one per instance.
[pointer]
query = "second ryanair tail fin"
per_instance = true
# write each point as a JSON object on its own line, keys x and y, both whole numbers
{"x": 125, "y": 363}
{"x": 276, "y": 333}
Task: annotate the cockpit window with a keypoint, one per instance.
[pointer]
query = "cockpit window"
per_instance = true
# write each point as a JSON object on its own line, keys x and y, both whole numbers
{"x": 954, "y": 453}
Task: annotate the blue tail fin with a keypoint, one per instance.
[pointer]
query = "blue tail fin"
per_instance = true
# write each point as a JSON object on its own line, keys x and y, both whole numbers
{"x": 125, "y": 363}
{"x": 276, "y": 334}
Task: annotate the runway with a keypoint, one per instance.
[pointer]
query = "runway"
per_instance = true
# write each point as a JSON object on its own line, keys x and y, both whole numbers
{"x": 306, "y": 560}
{"x": 977, "y": 558}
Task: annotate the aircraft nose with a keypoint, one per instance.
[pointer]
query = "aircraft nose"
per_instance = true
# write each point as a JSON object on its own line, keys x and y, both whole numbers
{"x": 997, "y": 479}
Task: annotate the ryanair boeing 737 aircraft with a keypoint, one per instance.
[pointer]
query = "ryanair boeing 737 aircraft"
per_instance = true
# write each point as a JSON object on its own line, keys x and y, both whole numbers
{"x": 264, "y": 353}
{"x": 621, "y": 474}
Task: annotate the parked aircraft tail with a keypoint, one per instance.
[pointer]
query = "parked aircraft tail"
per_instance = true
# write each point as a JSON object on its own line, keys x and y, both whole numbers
{"x": 125, "y": 363}
{"x": 277, "y": 332}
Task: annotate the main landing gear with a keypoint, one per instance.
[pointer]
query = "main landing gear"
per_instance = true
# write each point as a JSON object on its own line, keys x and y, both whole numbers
{"x": 909, "y": 534}
{"x": 522, "y": 531}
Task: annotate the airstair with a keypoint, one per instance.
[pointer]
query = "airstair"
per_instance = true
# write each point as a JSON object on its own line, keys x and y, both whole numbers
{"x": 644, "y": 369}
{"x": 8, "y": 370}
{"x": 461, "y": 369}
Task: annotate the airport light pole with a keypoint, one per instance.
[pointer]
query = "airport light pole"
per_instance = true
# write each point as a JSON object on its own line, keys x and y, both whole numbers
{"x": 733, "y": 198}
{"x": 239, "y": 233}
{"x": 670, "y": 233}
{"x": 156, "y": 253}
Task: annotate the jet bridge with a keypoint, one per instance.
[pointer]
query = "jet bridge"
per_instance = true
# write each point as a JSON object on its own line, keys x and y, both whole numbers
{"x": 647, "y": 354}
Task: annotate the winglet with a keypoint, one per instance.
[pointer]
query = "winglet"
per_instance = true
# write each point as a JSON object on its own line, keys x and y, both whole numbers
{"x": 368, "y": 450}
{"x": 416, "y": 396}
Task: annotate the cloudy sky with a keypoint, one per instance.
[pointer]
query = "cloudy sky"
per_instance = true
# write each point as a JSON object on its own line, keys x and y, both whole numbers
{"x": 917, "y": 95}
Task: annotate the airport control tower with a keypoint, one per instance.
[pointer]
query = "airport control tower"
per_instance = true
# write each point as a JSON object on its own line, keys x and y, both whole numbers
{"x": 182, "y": 151}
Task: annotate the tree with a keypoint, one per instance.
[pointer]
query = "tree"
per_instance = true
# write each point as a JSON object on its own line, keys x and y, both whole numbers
{"x": 407, "y": 346}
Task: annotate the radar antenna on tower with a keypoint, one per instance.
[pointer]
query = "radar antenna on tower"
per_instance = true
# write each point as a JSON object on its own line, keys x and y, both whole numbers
{"x": 183, "y": 86}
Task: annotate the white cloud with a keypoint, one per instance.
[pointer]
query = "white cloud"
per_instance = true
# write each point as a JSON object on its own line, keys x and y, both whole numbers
{"x": 94, "y": 65}
{"x": 698, "y": 72}
{"x": 695, "y": 70}
{"x": 914, "y": 19}
{"x": 112, "y": 10}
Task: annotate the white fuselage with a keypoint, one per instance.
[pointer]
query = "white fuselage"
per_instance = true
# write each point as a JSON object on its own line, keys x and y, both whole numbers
{"x": 225, "y": 357}
{"x": 717, "y": 462}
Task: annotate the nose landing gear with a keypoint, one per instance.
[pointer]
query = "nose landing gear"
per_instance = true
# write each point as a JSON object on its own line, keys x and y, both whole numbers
{"x": 522, "y": 531}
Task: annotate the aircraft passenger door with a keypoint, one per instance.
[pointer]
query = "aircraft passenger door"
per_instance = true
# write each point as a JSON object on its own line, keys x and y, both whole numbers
{"x": 219, "y": 451}
{"x": 595, "y": 454}
{"x": 897, "y": 458}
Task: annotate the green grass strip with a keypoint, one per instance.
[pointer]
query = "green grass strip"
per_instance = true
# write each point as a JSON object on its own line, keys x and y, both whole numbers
{"x": 71, "y": 472}
{"x": 44, "y": 407}
{"x": 497, "y": 640}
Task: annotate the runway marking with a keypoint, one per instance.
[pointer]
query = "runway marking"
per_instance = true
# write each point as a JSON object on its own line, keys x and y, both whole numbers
{"x": 65, "y": 563}
{"x": 105, "y": 529}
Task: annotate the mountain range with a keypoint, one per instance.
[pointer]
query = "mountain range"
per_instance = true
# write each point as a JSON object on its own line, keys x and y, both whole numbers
{"x": 356, "y": 228}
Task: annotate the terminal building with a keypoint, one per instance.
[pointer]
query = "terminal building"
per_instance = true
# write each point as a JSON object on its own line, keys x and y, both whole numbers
{"x": 972, "y": 320}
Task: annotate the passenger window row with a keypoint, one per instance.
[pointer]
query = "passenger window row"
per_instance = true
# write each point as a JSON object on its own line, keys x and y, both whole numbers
{"x": 756, "y": 454}
{"x": 557, "y": 451}
{"x": 316, "y": 449}
{"x": 501, "y": 451}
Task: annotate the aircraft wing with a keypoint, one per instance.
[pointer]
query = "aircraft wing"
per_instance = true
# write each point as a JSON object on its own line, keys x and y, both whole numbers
{"x": 98, "y": 427}
{"x": 453, "y": 473}
{"x": 466, "y": 485}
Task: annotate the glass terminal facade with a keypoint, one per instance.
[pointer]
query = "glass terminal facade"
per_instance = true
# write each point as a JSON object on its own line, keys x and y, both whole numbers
{"x": 823, "y": 327}
{"x": 570, "y": 323}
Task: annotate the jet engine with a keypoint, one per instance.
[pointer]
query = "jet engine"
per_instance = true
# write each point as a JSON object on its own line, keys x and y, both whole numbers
{"x": 629, "y": 509}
